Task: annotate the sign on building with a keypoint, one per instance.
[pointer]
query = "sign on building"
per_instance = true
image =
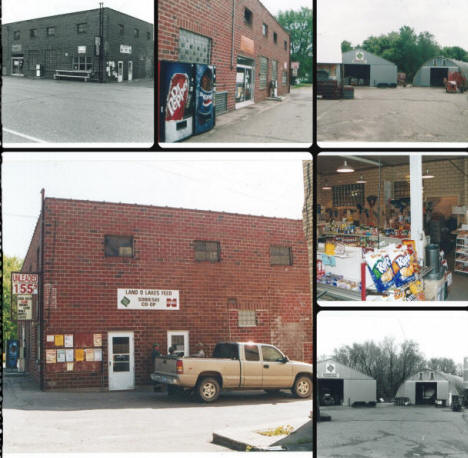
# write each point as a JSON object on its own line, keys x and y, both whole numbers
{"x": 81, "y": 49}
{"x": 24, "y": 283}
{"x": 24, "y": 307}
{"x": 360, "y": 57}
{"x": 16, "y": 48}
{"x": 147, "y": 299}
{"x": 125, "y": 49}
{"x": 330, "y": 370}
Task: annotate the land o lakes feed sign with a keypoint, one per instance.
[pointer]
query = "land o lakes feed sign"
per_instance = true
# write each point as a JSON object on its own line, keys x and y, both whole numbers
{"x": 147, "y": 299}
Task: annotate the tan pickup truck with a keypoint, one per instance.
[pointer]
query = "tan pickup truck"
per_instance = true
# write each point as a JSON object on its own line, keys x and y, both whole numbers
{"x": 234, "y": 366}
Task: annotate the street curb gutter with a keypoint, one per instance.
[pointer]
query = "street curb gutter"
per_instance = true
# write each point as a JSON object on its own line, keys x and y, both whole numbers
{"x": 230, "y": 443}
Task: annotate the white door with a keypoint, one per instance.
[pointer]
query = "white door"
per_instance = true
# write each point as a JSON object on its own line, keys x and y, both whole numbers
{"x": 121, "y": 360}
{"x": 120, "y": 71}
{"x": 130, "y": 70}
{"x": 180, "y": 339}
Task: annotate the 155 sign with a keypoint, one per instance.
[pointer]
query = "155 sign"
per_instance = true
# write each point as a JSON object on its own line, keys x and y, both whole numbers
{"x": 24, "y": 283}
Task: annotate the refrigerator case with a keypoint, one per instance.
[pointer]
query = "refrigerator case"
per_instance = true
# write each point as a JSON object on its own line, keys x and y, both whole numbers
{"x": 205, "y": 83}
{"x": 176, "y": 100}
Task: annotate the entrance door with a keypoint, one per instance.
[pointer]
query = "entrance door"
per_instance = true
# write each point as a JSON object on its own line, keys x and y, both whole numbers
{"x": 437, "y": 76}
{"x": 179, "y": 339}
{"x": 130, "y": 70}
{"x": 426, "y": 392}
{"x": 120, "y": 71}
{"x": 244, "y": 86}
{"x": 17, "y": 65}
{"x": 121, "y": 360}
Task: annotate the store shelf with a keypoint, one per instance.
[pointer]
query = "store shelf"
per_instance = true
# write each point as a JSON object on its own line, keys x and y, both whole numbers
{"x": 339, "y": 293}
{"x": 461, "y": 252}
{"x": 344, "y": 256}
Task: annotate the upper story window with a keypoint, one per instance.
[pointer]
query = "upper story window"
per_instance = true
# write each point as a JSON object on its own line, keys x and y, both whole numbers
{"x": 275, "y": 37}
{"x": 207, "y": 251}
{"x": 285, "y": 45}
{"x": 81, "y": 28}
{"x": 118, "y": 245}
{"x": 136, "y": 33}
{"x": 280, "y": 256}
{"x": 247, "y": 318}
{"x": 265, "y": 30}
{"x": 51, "y": 31}
{"x": 248, "y": 16}
{"x": 121, "y": 29}
{"x": 148, "y": 35}
{"x": 16, "y": 35}
{"x": 33, "y": 33}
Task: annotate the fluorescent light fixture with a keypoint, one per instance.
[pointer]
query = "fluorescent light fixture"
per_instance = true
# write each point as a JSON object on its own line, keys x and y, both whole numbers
{"x": 427, "y": 175}
{"x": 361, "y": 180}
{"x": 326, "y": 186}
{"x": 345, "y": 168}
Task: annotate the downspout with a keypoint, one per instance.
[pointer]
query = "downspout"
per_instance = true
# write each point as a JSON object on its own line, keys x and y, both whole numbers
{"x": 41, "y": 301}
{"x": 232, "y": 37}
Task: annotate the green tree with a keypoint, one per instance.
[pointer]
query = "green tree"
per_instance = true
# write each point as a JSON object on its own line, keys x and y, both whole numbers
{"x": 455, "y": 52}
{"x": 346, "y": 46}
{"x": 299, "y": 26}
{"x": 10, "y": 264}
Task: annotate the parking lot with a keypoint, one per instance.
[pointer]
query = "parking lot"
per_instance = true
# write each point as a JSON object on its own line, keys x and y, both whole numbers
{"x": 389, "y": 431}
{"x": 49, "y": 111}
{"x": 131, "y": 421}
{"x": 402, "y": 114}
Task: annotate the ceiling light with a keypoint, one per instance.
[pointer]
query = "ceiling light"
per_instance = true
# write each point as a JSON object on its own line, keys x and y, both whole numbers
{"x": 428, "y": 175}
{"x": 361, "y": 180}
{"x": 345, "y": 168}
{"x": 326, "y": 186}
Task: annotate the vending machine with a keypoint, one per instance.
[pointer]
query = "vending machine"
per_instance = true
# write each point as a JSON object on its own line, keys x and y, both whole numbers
{"x": 186, "y": 100}
{"x": 12, "y": 354}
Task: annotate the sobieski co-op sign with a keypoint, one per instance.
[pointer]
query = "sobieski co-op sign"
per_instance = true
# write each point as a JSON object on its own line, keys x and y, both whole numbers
{"x": 147, "y": 299}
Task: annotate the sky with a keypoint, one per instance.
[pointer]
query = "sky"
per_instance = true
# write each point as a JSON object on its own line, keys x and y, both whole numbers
{"x": 268, "y": 184}
{"x": 20, "y": 10}
{"x": 439, "y": 334}
{"x": 358, "y": 19}
{"x": 274, "y": 6}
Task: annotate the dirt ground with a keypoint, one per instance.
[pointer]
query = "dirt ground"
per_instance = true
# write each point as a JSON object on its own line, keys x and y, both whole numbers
{"x": 411, "y": 114}
{"x": 388, "y": 431}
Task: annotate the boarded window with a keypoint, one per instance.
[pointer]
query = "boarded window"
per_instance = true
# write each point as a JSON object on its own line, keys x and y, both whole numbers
{"x": 118, "y": 245}
{"x": 348, "y": 195}
{"x": 248, "y": 16}
{"x": 81, "y": 28}
{"x": 51, "y": 31}
{"x": 401, "y": 189}
{"x": 247, "y": 318}
{"x": 207, "y": 251}
{"x": 194, "y": 48}
{"x": 275, "y": 37}
{"x": 280, "y": 256}
{"x": 274, "y": 70}
{"x": 263, "y": 72}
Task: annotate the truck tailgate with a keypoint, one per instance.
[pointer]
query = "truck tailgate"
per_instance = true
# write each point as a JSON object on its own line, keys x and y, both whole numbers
{"x": 165, "y": 365}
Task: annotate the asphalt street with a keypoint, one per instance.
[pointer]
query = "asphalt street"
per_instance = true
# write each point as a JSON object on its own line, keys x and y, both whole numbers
{"x": 36, "y": 111}
{"x": 289, "y": 121}
{"x": 388, "y": 431}
{"x": 131, "y": 421}
{"x": 402, "y": 114}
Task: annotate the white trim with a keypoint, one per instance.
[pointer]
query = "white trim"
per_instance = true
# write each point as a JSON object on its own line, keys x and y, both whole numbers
{"x": 28, "y": 137}
{"x": 186, "y": 340}
{"x": 130, "y": 335}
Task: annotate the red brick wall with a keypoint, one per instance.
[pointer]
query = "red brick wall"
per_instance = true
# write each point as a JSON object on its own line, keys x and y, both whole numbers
{"x": 213, "y": 19}
{"x": 86, "y": 281}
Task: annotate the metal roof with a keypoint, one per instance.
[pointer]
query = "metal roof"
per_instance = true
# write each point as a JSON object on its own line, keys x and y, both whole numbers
{"x": 343, "y": 372}
{"x": 454, "y": 380}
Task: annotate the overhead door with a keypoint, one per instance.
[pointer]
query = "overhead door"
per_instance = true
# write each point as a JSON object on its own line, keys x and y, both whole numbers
{"x": 263, "y": 72}
{"x": 274, "y": 70}
{"x": 437, "y": 76}
{"x": 194, "y": 48}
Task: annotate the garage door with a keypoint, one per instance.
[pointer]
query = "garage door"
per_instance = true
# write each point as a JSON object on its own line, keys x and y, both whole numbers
{"x": 194, "y": 48}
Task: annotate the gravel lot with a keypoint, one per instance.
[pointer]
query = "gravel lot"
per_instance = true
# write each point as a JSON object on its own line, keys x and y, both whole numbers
{"x": 388, "y": 431}
{"x": 411, "y": 114}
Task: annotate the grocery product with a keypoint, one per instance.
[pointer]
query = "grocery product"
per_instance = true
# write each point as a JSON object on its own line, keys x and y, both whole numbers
{"x": 380, "y": 268}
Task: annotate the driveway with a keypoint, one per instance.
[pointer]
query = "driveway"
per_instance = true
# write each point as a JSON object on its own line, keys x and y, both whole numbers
{"x": 411, "y": 114}
{"x": 289, "y": 121}
{"x": 131, "y": 421}
{"x": 388, "y": 431}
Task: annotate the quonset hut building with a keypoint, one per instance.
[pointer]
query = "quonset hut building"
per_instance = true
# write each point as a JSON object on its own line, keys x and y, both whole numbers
{"x": 427, "y": 386}
{"x": 341, "y": 385}
{"x": 111, "y": 45}
{"x": 433, "y": 72}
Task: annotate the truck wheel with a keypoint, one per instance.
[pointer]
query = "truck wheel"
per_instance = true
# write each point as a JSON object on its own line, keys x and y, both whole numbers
{"x": 302, "y": 387}
{"x": 208, "y": 389}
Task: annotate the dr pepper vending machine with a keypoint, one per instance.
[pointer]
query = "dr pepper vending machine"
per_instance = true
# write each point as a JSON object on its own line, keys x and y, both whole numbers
{"x": 186, "y": 100}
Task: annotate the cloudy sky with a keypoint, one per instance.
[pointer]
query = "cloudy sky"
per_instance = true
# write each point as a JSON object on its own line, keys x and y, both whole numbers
{"x": 439, "y": 334}
{"x": 274, "y": 6}
{"x": 250, "y": 183}
{"x": 358, "y": 19}
{"x": 19, "y": 10}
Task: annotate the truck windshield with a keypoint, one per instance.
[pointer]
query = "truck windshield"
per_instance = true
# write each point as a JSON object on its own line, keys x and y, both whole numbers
{"x": 226, "y": 350}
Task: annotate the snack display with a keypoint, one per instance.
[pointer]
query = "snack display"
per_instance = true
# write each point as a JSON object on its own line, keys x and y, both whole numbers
{"x": 380, "y": 268}
{"x": 402, "y": 266}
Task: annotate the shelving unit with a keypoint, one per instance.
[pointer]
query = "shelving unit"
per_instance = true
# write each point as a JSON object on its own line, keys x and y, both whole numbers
{"x": 461, "y": 254}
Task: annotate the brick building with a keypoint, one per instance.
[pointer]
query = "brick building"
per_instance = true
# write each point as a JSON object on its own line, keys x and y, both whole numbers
{"x": 72, "y": 42}
{"x": 241, "y": 38}
{"x": 218, "y": 276}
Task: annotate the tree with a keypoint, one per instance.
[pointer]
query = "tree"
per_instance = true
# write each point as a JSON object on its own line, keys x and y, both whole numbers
{"x": 446, "y": 365}
{"x": 299, "y": 26}
{"x": 346, "y": 46}
{"x": 455, "y": 52}
{"x": 10, "y": 264}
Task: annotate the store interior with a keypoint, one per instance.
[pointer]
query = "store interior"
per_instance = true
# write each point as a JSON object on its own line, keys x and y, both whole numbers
{"x": 392, "y": 227}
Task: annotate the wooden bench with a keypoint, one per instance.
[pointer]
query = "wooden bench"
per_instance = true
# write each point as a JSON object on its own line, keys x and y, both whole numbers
{"x": 82, "y": 74}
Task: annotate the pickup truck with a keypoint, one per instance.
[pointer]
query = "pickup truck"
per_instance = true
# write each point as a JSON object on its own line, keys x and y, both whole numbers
{"x": 234, "y": 366}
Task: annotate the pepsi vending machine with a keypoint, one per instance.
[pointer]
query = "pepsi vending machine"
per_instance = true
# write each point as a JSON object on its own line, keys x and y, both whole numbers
{"x": 12, "y": 354}
{"x": 186, "y": 100}
{"x": 176, "y": 100}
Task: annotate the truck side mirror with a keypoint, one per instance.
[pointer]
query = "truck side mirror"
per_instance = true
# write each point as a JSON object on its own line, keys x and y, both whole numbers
{"x": 285, "y": 359}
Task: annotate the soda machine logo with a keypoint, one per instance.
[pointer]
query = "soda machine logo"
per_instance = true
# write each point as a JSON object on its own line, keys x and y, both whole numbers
{"x": 205, "y": 98}
{"x": 177, "y": 97}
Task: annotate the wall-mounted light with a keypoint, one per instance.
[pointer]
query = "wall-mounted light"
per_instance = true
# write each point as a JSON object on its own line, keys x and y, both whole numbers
{"x": 326, "y": 186}
{"x": 345, "y": 168}
{"x": 361, "y": 180}
{"x": 427, "y": 175}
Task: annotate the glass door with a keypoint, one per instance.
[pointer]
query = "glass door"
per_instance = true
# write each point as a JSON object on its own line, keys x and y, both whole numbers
{"x": 244, "y": 85}
{"x": 17, "y": 65}
{"x": 121, "y": 361}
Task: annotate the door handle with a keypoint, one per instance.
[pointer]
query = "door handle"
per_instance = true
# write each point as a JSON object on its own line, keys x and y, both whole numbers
{"x": 266, "y": 366}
